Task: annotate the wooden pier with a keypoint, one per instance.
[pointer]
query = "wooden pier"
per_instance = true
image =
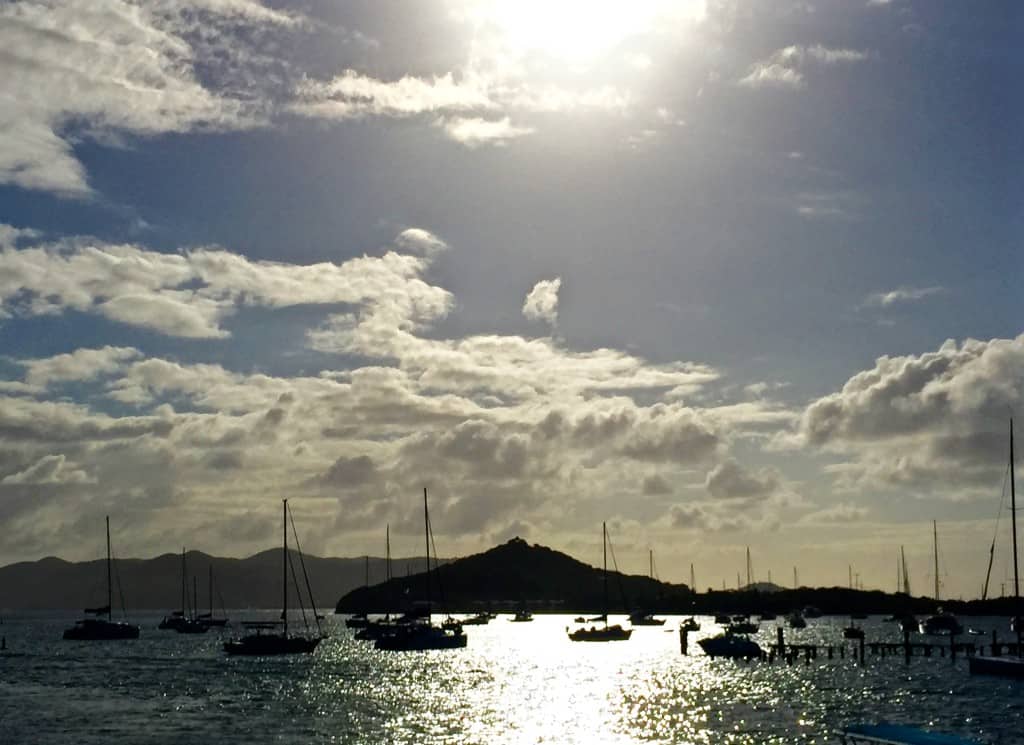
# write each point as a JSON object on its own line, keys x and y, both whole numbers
{"x": 858, "y": 649}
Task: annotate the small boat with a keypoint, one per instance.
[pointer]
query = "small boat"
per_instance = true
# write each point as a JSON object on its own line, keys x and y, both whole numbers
{"x": 796, "y": 620}
{"x": 742, "y": 627}
{"x": 480, "y": 619}
{"x": 690, "y": 624}
{"x": 179, "y": 620}
{"x": 896, "y": 734}
{"x": 975, "y": 632}
{"x": 643, "y": 618}
{"x": 99, "y": 629}
{"x": 419, "y": 634}
{"x": 522, "y": 616}
{"x": 420, "y": 637}
{"x": 357, "y": 621}
{"x": 941, "y": 623}
{"x": 261, "y": 644}
{"x": 722, "y": 619}
{"x": 604, "y": 633}
{"x": 731, "y": 646}
{"x": 767, "y": 617}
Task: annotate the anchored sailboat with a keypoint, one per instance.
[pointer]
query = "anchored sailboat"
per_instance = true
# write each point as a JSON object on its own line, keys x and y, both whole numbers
{"x": 97, "y": 629}
{"x": 603, "y": 633}
{"x": 261, "y": 643}
{"x": 1010, "y": 667}
{"x": 421, "y": 634}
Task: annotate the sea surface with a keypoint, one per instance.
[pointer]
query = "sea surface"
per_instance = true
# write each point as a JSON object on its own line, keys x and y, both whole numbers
{"x": 514, "y": 683}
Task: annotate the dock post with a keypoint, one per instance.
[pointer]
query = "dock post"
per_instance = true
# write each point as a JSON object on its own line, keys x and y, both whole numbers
{"x": 683, "y": 640}
{"x": 842, "y": 651}
{"x": 906, "y": 645}
{"x": 862, "y": 651}
{"x": 781, "y": 639}
{"x": 995, "y": 644}
{"x": 830, "y": 651}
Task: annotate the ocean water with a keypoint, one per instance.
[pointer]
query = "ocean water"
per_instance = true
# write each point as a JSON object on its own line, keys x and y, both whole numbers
{"x": 514, "y": 683}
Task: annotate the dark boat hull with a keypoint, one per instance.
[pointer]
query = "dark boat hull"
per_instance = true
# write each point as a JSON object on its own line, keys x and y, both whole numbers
{"x": 94, "y": 630}
{"x": 733, "y": 647}
{"x": 1006, "y": 667}
{"x": 265, "y": 645}
{"x": 603, "y": 634}
{"x": 420, "y": 639}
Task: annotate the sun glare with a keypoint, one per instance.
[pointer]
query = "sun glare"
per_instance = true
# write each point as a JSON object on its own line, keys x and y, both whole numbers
{"x": 577, "y": 31}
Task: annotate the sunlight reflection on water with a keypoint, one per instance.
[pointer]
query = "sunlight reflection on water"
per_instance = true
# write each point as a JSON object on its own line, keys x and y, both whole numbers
{"x": 515, "y": 683}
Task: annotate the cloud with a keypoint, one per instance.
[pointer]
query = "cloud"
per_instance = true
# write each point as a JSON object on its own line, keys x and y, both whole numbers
{"x": 50, "y": 469}
{"x": 190, "y": 294}
{"x": 901, "y": 295}
{"x": 729, "y": 480}
{"x": 474, "y": 132}
{"x": 842, "y": 513}
{"x": 353, "y": 95}
{"x": 89, "y": 69}
{"x": 786, "y": 67}
{"x": 80, "y": 365}
{"x": 934, "y": 421}
{"x": 542, "y": 301}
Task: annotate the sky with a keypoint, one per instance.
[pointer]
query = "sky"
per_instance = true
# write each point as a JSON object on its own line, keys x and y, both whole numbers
{"x": 722, "y": 273}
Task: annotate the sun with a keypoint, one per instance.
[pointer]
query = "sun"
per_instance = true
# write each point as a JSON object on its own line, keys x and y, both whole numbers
{"x": 576, "y": 31}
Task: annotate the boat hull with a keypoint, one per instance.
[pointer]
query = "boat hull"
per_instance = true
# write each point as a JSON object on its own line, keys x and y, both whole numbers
{"x": 420, "y": 639}
{"x": 1006, "y": 667}
{"x": 265, "y": 645}
{"x": 93, "y": 630}
{"x": 732, "y": 647}
{"x": 601, "y": 634}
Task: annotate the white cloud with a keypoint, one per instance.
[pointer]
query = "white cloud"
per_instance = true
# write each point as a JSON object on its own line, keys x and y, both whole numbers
{"x": 542, "y": 301}
{"x": 353, "y": 94}
{"x": 133, "y": 285}
{"x": 80, "y": 365}
{"x": 901, "y": 295}
{"x": 786, "y": 67}
{"x": 90, "y": 68}
{"x": 474, "y": 132}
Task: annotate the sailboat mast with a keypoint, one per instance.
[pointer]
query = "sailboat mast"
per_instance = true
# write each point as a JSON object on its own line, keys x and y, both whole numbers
{"x": 211, "y": 590}
{"x": 935, "y": 543}
{"x": 284, "y": 564}
{"x": 183, "y": 581}
{"x": 749, "y": 567}
{"x": 426, "y": 533}
{"x": 795, "y": 583}
{"x": 1013, "y": 523}
{"x": 906, "y": 574}
{"x": 109, "y": 617}
{"x": 195, "y": 597}
{"x": 693, "y": 579}
{"x": 604, "y": 573}
{"x": 650, "y": 562}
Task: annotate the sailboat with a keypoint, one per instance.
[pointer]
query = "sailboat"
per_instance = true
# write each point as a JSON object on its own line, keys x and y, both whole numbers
{"x": 421, "y": 635}
{"x": 178, "y": 617}
{"x": 260, "y": 643}
{"x": 208, "y": 619}
{"x": 603, "y": 633}
{"x": 94, "y": 628}
{"x": 1010, "y": 667}
{"x": 361, "y": 620}
{"x": 641, "y": 617}
{"x": 942, "y": 622}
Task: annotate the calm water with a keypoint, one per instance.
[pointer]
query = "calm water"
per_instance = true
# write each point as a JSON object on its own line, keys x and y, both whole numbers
{"x": 515, "y": 683}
